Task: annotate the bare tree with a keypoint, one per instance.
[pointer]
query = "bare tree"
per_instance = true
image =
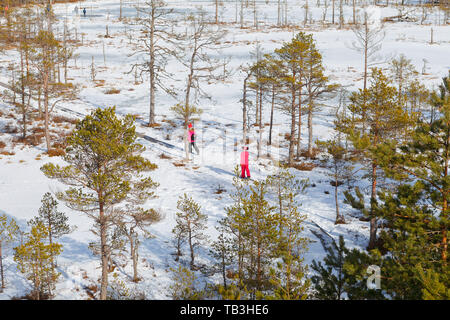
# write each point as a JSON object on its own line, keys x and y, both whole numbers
{"x": 198, "y": 44}
{"x": 369, "y": 36}
{"x": 154, "y": 47}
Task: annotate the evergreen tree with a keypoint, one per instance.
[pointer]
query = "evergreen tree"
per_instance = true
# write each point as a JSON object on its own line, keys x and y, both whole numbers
{"x": 133, "y": 221}
{"x": 409, "y": 238}
{"x": 329, "y": 283}
{"x": 374, "y": 117}
{"x": 222, "y": 252}
{"x": 46, "y": 53}
{"x": 54, "y": 220}
{"x": 8, "y": 232}
{"x": 289, "y": 277}
{"x": 344, "y": 274}
{"x": 260, "y": 238}
{"x": 191, "y": 223}
{"x": 291, "y": 58}
{"x": 104, "y": 166}
{"x": 316, "y": 86}
{"x": 184, "y": 286}
{"x": 426, "y": 158}
{"x": 337, "y": 160}
{"x": 34, "y": 259}
{"x": 435, "y": 285}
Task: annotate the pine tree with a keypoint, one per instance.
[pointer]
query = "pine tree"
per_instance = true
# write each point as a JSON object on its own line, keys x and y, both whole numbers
{"x": 289, "y": 277}
{"x": 46, "y": 54}
{"x": 222, "y": 252}
{"x": 134, "y": 224}
{"x": 329, "y": 283}
{"x": 54, "y": 220}
{"x": 426, "y": 158}
{"x": 409, "y": 239}
{"x": 343, "y": 274}
{"x": 185, "y": 284}
{"x": 192, "y": 223}
{"x": 8, "y": 232}
{"x": 374, "y": 117}
{"x": 316, "y": 86}
{"x": 291, "y": 58}
{"x": 133, "y": 221}
{"x": 260, "y": 235}
{"x": 435, "y": 285}
{"x": 104, "y": 167}
{"x": 34, "y": 259}
{"x": 234, "y": 223}
{"x": 337, "y": 161}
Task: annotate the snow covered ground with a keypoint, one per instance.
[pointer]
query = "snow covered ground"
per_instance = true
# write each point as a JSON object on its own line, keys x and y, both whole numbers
{"x": 22, "y": 184}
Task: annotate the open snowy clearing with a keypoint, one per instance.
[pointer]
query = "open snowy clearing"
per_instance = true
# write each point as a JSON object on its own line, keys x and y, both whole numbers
{"x": 22, "y": 184}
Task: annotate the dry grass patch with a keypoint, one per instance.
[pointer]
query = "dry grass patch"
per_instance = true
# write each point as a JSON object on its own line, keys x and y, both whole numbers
{"x": 178, "y": 164}
{"x": 304, "y": 166}
{"x": 7, "y": 153}
{"x": 112, "y": 91}
{"x": 154, "y": 125}
{"x": 62, "y": 119}
{"x": 164, "y": 156}
{"x": 56, "y": 152}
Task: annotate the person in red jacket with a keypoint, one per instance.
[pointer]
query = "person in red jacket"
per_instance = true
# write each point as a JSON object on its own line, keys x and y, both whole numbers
{"x": 192, "y": 140}
{"x": 244, "y": 164}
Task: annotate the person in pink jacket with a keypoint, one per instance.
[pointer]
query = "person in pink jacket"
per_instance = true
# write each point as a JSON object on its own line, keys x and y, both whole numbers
{"x": 244, "y": 164}
{"x": 192, "y": 140}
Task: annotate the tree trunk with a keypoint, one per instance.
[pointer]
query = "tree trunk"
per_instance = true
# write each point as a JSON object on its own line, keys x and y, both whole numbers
{"x": 152, "y": 71}
{"x": 299, "y": 137}
{"x": 104, "y": 254}
{"x": 46, "y": 115}
{"x": 292, "y": 137}
{"x": 244, "y": 112}
{"x": 310, "y": 131}
{"x": 271, "y": 115}
{"x": 191, "y": 247}
{"x": 134, "y": 258}
{"x": 260, "y": 124}
{"x": 1, "y": 268}
{"x": 373, "y": 220}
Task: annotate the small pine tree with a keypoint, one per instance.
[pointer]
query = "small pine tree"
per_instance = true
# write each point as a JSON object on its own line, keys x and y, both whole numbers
{"x": 343, "y": 274}
{"x": 184, "y": 286}
{"x": 337, "y": 161}
{"x": 329, "y": 283}
{"x": 288, "y": 278}
{"x": 222, "y": 252}
{"x": 54, "y": 220}
{"x": 8, "y": 232}
{"x": 190, "y": 224}
{"x": 34, "y": 259}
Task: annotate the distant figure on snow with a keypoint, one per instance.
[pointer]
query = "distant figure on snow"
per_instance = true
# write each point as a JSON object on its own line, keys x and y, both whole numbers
{"x": 84, "y": 12}
{"x": 76, "y": 10}
{"x": 192, "y": 140}
{"x": 244, "y": 163}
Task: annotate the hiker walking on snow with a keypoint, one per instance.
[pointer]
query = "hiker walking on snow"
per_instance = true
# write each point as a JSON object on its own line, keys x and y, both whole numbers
{"x": 244, "y": 164}
{"x": 84, "y": 12}
{"x": 192, "y": 140}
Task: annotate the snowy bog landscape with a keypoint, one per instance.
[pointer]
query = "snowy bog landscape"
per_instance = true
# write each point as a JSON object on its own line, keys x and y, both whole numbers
{"x": 104, "y": 39}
